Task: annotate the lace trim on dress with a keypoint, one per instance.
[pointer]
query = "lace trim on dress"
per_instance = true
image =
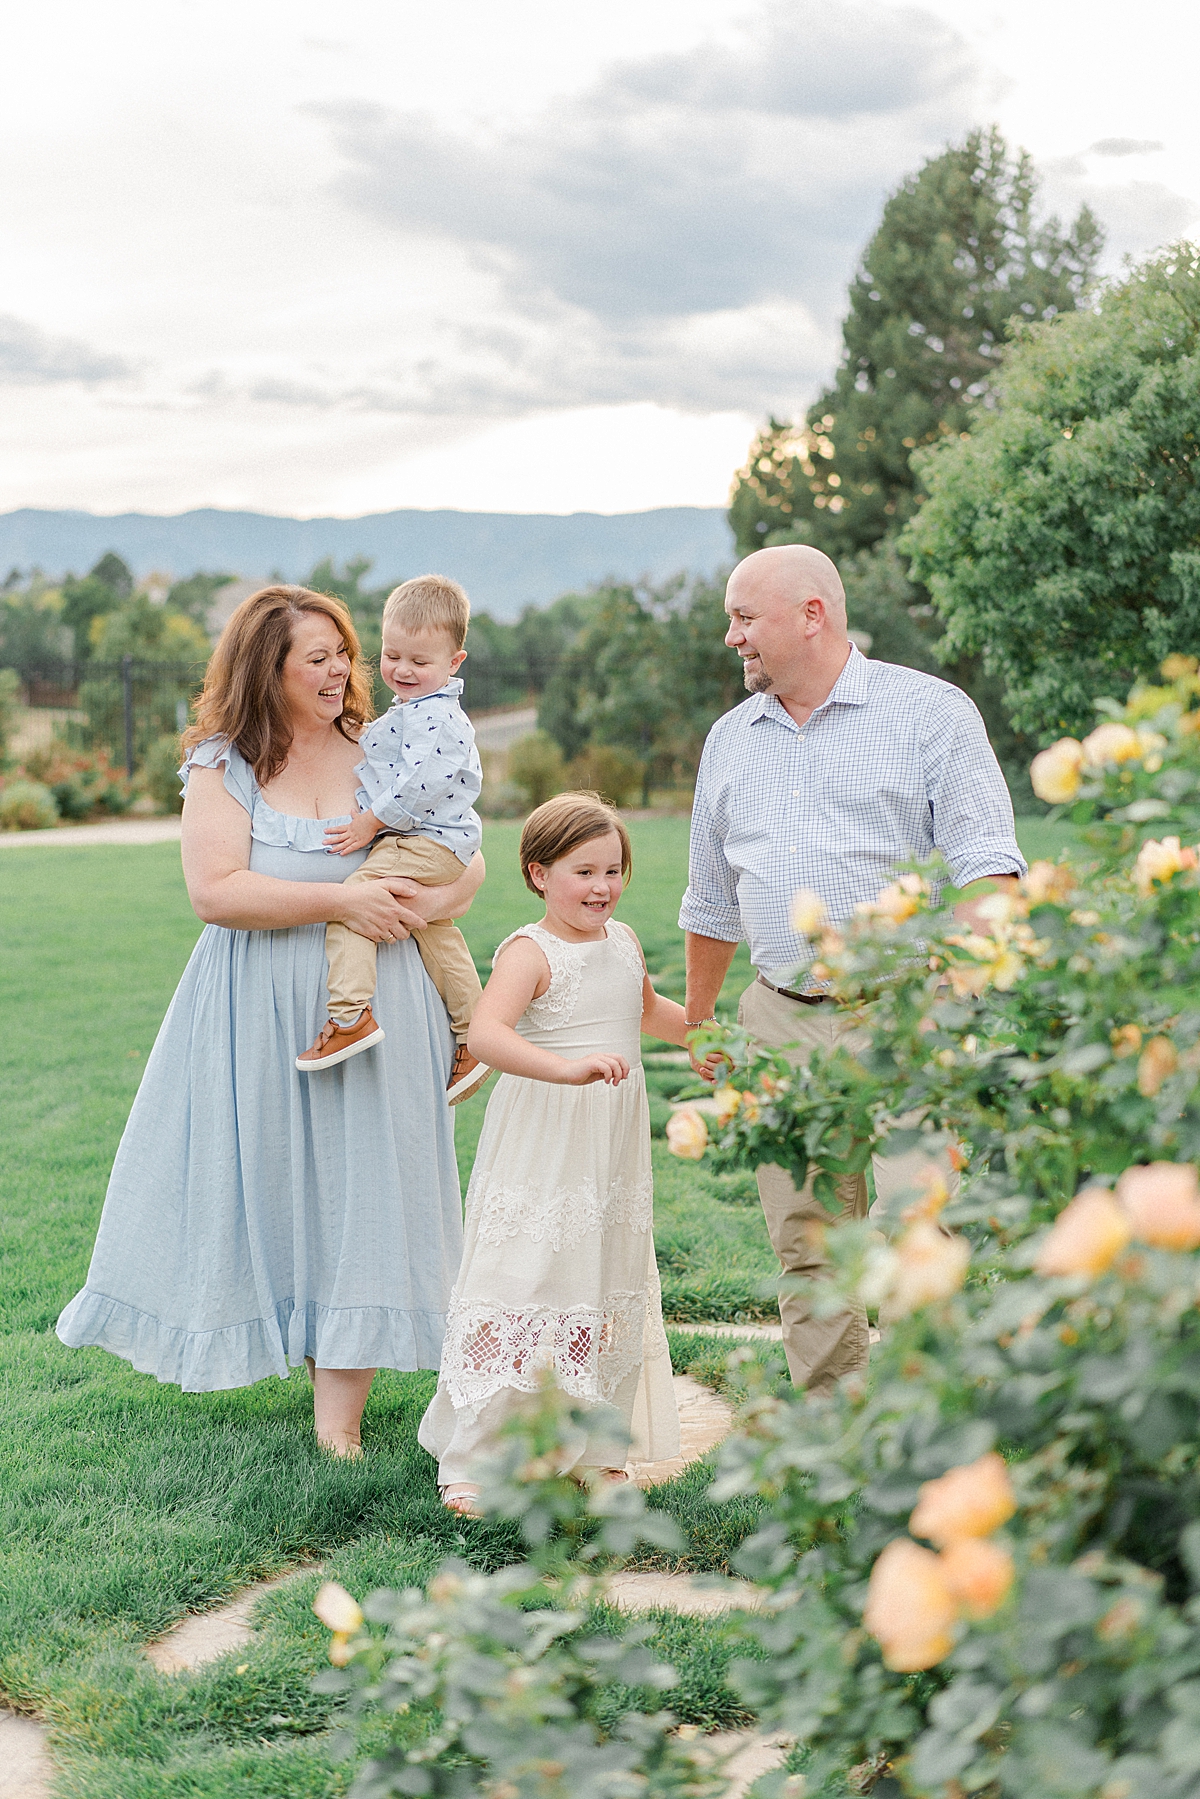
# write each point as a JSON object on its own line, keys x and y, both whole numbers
{"x": 556, "y": 1005}
{"x": 592, "y": 1352}
{"x": 626, "y": 946}
{"x": 562, "y": 1219}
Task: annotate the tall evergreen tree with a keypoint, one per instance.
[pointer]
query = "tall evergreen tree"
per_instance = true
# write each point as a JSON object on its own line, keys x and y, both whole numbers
{"x": 957, "y": 257}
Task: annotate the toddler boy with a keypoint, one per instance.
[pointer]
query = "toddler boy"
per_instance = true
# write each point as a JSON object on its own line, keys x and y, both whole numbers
{"x": 420, "y": 775}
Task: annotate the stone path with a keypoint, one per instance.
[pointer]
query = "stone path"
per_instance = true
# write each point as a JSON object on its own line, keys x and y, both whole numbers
{"x": 205, "y": 1636}
{"x": 25, "y": 1767}
{"x": 117, "y": 830}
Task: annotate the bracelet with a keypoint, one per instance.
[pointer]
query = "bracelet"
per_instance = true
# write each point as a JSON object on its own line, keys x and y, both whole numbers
{"x": 694, "y": 1025}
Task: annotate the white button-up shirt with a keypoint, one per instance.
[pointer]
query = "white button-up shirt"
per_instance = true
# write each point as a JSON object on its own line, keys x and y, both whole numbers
{"x": 894, "y": 765}
{"x": 421, "y": 773}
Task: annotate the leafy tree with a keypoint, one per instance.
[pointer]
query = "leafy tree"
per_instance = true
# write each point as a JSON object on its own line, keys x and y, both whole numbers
{"x": 1062, "y": 539}
{"x": 32, "y": 631}
{"x": 148, "y": 632}
{"x": 193, "y": 596}
{"x": 105, "y": 588}
{"x": 958, "y": 257}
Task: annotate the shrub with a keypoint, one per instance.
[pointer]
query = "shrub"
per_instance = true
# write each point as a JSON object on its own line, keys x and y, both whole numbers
{"x": 84, "y": 785}
{"x": 613, "y": 773}
{"x": 536, "y": 768}
{"x": 10, "y": 690}
{"x": 26, "y": 806}
{"x": 160, "y": 773}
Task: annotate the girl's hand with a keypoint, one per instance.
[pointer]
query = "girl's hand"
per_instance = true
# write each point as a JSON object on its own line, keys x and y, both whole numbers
{"x": 596, "y": 1068}
{"x": 374, "y": 911}
{"x": 343, "y": 840}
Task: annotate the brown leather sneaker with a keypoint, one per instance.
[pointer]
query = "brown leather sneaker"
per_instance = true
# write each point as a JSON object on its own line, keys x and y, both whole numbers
{"x": 466, "y": 1077}
{"x": 338, "y": 1042}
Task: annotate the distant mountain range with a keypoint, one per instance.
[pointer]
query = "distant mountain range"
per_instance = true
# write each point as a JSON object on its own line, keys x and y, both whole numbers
{"x": 505, "y": 560}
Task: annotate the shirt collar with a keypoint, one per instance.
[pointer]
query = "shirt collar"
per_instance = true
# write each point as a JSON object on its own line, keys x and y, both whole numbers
{"x": 451, "y": 690}
{"x": 850, "y": 689}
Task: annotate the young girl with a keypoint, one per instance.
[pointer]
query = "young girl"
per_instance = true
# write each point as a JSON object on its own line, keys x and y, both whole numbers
{"x": 558, "y": 1267}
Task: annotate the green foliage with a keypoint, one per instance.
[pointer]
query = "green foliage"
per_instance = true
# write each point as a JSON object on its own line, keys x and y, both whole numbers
{"x": 104, "y": 590}
{"x": 536, "y": 768}
{"x": 149, "y": 633}
{"x": 84, "y": 786}
{"x": 26, "y": 806}
{"x": 957, "y": 257}
{"x": 32, "y": 632}
{"x": 1060, "y": 540}
{"x": 193, "y": 596}
{"x": 10, "y": 690}
{"x": 611, "y": 772}
{"x": 160, "y": 773}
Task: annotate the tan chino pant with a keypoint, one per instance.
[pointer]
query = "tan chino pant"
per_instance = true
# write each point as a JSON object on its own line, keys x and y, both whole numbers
{"x": 443, "y": 948}
{"x": 821, "y": 1350}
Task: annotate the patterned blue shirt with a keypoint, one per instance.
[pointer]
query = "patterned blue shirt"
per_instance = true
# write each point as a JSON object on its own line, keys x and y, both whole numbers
{"x": 894, "y": 765}
{"x": 422, "y": 775}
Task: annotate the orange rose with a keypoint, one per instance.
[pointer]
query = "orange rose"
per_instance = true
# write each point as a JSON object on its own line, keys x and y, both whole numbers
{"x": 1156, "y": 1064}
{"x": 979, "y": 1574}
{"x": 910, "y": 1610}
{"x": 1162, "y": 1203}
{"x": 687, "y": 1135}
{"x": 970, "y": 1501}
{"x": 1086, "y": 1237}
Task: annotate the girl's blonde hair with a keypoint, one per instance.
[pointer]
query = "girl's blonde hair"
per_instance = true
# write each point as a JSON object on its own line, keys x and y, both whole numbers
{"x": 562, "y": 824}
{"x": 243, "y": 689}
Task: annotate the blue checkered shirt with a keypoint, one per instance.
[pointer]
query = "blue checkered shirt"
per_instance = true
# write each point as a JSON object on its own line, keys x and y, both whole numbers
{"x": 894, "y": 765}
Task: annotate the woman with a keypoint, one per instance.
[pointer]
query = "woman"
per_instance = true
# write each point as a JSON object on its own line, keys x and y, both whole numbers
{"x": 255, "y": 1220}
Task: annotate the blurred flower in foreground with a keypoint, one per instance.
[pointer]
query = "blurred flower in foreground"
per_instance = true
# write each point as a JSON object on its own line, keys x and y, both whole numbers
{"x": 926, "y": 1265}
{"x": 808, "y": 912}
{"x": 899, "y": 900}
{"x": 1159, "y": 861}
{"x": 1055, "y": 773}
{"x": 727, "y": 1100}
{"x": 341, "y": 1614}
{"x": 1157, "y": 1062}
{"x": 1049, "y": 883}
{"x": 1162, "y": 1203}
{"x": 687, "y": 1135}
{"x": 910, "y": 1609}
{"x": 1111, "y": 743}
{"x": 979, "y": 1574}
{"x": 972, "y": 1500}
{"x": 1086, "y": 1237}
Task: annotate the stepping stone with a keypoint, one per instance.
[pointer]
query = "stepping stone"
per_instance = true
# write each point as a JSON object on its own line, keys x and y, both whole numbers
{"x": 704, "y": 1421}
{"x": 696, "y": 1595}
{"x": 25, "y": 1767}
{"x": 206, "y": 1636}
{"x": 754, "y": 1752}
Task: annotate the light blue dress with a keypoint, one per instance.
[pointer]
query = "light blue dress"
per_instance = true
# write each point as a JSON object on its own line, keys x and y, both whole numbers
{"x": 255, "y": 1215}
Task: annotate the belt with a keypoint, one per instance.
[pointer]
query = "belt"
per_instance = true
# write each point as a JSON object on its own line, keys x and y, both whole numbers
{"x": 806, "y": 999}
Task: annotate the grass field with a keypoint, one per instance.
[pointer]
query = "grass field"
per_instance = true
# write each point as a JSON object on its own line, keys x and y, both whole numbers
{"x": 124, "y": 1504}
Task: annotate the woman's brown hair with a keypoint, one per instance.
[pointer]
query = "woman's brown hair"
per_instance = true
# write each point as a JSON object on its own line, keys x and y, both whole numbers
{"x": 243, "y": 690}
{"x": 565, "y": 822}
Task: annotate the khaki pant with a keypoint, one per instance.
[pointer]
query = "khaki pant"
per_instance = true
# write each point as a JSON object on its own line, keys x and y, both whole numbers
{"x": 443, "y": 948}
{"x": 821, "y": 1350}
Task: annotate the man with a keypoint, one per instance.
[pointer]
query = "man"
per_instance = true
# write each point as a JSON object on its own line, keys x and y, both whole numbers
{"x": 833, "y": 772}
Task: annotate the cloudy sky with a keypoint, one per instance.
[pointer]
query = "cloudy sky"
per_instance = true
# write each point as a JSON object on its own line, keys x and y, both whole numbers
{"x": 500, "y": 254}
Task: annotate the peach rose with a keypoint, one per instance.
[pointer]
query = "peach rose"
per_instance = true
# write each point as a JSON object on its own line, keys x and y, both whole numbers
{"x": 808, "y": 912}
{"x": 910, "y": 1610}
{"x": 1086, "y": 1237}
{"x": 727, "y": 1100}
{"x": 928, "y": 1265}
{"x": 341, "y": 1614}
{"x": 687, "y": 1135}
{"x": 979, "y": 1574}
{"x": 1110, "y": 743}
{"x": 1055, "y": 773}
{"x": 1162, "y": 1203}
{"x": 1156, "y": 1064}
{"x": 970, "y": 1501}
{"x": 1049, "y": 883}
{"x": 897, "y": 901}
{"x": 1158, "y": 862}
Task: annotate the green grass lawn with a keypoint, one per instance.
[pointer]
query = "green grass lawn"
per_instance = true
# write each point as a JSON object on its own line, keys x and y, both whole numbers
{"x": 124, "y": 1504}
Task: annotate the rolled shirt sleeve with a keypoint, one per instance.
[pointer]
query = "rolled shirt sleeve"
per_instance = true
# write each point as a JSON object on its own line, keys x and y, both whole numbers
{"x": 968, "y": 798}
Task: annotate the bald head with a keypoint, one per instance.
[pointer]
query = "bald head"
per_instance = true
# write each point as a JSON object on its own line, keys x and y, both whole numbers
{"x": 794, "y": 572}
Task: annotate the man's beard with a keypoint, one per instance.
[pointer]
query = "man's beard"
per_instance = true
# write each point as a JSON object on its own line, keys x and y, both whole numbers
{"x": 756, "y": 683}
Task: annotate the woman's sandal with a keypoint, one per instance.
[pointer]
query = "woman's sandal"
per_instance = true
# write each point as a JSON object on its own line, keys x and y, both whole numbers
{"x": 616, "y": 1477}
{"x": 462, "y": 1498}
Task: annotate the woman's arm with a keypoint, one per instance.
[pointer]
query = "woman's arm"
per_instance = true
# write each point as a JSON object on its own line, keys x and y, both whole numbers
{"x": 450, "y": 901}
{"x": 519, "y": 976}
{"x": 216, "y": 867}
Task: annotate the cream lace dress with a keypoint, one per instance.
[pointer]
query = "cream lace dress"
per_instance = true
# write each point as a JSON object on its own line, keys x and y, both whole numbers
{"x": 558, "y": 1264}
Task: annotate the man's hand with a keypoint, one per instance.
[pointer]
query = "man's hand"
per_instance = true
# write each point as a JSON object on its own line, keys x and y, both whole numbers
{"x": 967, "y": 909}
{"x": 713, "y": 1062}
{"x": 343, "y": 840}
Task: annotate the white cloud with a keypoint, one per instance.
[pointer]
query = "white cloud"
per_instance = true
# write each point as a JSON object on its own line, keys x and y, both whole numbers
{"x": 33, "y": 358}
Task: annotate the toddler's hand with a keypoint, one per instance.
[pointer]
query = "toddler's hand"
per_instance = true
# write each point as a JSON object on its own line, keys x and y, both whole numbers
{"x": 343, "y": 840}
{"x": 597, "y": 1068}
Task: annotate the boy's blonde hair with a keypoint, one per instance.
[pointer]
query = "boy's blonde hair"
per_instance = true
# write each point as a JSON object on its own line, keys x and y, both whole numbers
{"x": 562, "y": 824}
{"x": 429, "y": 603}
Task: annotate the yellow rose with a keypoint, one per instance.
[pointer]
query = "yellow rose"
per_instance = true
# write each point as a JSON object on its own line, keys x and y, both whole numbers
{"x": 750, "y": 1108}
{"x": 687, "y": 1135}
{"x": 971, "y": 1500}
{"x": 808, "y": 912}
{"x": 1086, "y": 1237}
{"x": 1049, "y": 883}
{"x": 979, "y": 1574}
{"x": 910, "y": 1610}
{"x": 1160, "y": 861}
{"x": 1006, "y": 970}
{"x": 1162, "y": 1203}
{"x": 336, "y": 1609}
{"x": 1156, "y": 1064}
{"x": 1111, "y": 743}
{"x": 1055, "y": 773}
{"x": 898, "y": 901}
{"x": 929, "y": 1265}
{"x": 1177, "y": 668}
{"x": 727, "y": 1101}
